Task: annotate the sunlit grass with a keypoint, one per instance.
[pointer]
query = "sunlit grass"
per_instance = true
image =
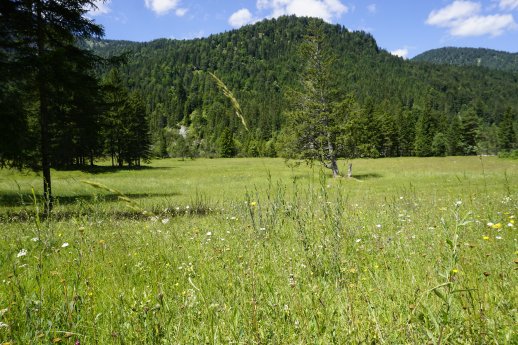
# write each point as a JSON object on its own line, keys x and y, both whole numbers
{"x": 410, "y": 251}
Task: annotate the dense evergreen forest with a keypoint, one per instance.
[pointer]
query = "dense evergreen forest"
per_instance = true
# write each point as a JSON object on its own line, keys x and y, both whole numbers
{"x": 482, "y": 57}
{"x": 407, "y": 108}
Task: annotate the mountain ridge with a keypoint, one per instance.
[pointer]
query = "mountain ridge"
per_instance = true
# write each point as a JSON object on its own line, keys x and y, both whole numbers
{"x": 260, "y": 63}
{"x": 465, "y": 56}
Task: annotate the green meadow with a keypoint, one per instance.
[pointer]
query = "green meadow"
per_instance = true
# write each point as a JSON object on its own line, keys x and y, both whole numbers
{"x": 257, "y": 251}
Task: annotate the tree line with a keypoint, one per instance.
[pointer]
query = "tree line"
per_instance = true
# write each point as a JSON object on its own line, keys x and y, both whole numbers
{"x": 403, "y": 108}
{"x": 56, "y": 111}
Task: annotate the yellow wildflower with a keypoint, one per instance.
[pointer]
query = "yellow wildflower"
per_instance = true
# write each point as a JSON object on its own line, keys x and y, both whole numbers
{"x": 497, "y": 226}
{"x": 486, "y": 238}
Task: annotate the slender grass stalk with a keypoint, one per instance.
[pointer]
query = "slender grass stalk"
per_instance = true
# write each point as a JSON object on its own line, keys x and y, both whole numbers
{"x": 233, "y": 100}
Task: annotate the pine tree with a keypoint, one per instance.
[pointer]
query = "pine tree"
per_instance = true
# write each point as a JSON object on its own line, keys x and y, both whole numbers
{"x": 507, "y": 139}
{"x": 454, "y": 138}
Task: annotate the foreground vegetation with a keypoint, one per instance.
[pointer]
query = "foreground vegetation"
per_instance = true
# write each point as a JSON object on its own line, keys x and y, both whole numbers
{"x": 252, "y": 251}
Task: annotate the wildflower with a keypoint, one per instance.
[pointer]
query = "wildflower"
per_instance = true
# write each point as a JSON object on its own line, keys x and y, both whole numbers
{"x": 64, "y": 245}
{"x": 454, "y": 271}
{"x": 490, "y": 224}
{"x": 165, "y": 220}
{"x": 458, "y": 203}
{"x": 21, "y": 253}
{"x": 486, "y": 238}
{"x": 262, "y": 229}
{"x": 498, "y": 237}
{"x": 35, "y": 239}
{"x": 510, "y": 224}
{"x": 209, "y": 233}
{"x": 378, "y": 226}
{"x": 187, "y": 207}
{"x": 497, "y": 226}
{"x": 253, "y": 204}
{"x": 358, "y": 240}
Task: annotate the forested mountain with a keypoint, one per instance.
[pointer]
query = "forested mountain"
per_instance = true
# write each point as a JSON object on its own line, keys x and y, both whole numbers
{"x": 488, "y": 58}
{"x": 408, "y": 108}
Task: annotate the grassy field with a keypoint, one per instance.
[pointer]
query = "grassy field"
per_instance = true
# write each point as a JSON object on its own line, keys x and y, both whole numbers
{"x": 251, "y": 251}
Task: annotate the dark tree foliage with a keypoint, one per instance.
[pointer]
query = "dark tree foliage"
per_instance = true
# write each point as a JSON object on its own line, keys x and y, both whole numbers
{"x": 507, "y": 135}
{"x": 36, "y": 36}
{"x": 125, "y": 125}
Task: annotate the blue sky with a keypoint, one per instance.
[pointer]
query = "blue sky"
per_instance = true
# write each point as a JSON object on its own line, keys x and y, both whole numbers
{"x": 403, "y": 27}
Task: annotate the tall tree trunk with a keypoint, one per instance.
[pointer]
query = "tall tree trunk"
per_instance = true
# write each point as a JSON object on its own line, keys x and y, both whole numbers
{"x": 332, "y": 156}
{"x": 44, "y": 112}
{"x": 334, "y": 168}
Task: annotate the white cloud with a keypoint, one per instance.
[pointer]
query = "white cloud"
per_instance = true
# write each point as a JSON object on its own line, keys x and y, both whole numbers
{"x": 509, "y": 4}
{"x": 402, "y": 52}
{"x": 372, "y": 8}
{"x": 450, "y": 14}
{"x": 494, "y": 25}
{"x": 180, "y": 12}
{"x": 462, "y": 18}
{"x": 100, "y": 7}
{"x": 240, "y": 18}
{"x": 325, "y": 9}
{"x": 163, "y": 6}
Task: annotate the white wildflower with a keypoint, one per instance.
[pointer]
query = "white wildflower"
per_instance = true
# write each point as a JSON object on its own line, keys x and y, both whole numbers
{"x": 165, "y": 220}
{"x": 35, "y": 239}
{"x": 21, "y": 253}
{"x": 378, "y": 226}
{"x": 510, "y": 225}
{"x": 358, "y": 240}
{"x": 209, "y": 233}
{"x": 498, "y": 237}
{"x": 64, "y": 245}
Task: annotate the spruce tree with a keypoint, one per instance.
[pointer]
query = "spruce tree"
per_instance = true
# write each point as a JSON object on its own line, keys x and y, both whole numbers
{"x": 227, "y": 148}
{"x": 38, "y": 31}
{"x": 314, "y": 127}
{"x": 507, "y": 139}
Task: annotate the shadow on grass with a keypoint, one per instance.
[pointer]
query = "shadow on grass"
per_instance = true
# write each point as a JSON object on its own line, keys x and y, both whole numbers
{"x": 363, "y": 177}
{"x": 104, "y": 169}
{"x": 16, "y": 199}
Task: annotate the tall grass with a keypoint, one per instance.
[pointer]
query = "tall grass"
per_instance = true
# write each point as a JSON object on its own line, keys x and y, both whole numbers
{"x": 426, "y": 255}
